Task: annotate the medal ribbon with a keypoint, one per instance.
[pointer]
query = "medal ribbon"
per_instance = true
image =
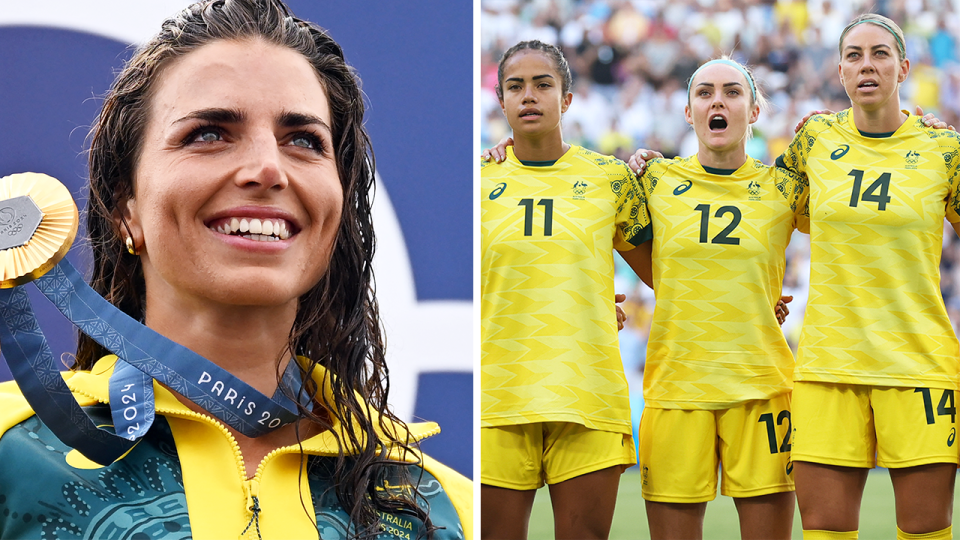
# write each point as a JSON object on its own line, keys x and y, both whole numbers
{"x": 31, "y": 362}
{"x": 211, "y": 387}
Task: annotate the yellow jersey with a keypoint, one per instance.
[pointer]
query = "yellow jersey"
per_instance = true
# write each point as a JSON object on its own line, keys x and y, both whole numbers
{"x": 719, "y": 238}
{"x": 875, "y": 314}
{"x": 549, "y": 349}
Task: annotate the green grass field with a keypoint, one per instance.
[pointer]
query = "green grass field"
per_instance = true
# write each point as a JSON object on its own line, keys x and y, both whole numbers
{"x": 877, "y": 516}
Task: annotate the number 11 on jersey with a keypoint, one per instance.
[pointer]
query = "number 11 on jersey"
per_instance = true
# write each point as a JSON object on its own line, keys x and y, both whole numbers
{"x": 527, "y": 205}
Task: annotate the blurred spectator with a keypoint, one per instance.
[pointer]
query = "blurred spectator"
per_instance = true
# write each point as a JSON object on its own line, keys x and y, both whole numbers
{"x": 943, "y": 46}
{"x": 631, "y": 59}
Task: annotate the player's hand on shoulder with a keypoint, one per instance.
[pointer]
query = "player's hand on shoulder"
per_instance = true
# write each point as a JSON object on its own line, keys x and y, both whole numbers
{"x": 499, "y": 152}
{"x": 808, "y": 116}
{"x": 638, "y": 161}
{"x": 932, "y": 121}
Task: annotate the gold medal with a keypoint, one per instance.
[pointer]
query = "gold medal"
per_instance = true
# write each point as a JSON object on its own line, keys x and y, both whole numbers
{"x": 38, "y": 222}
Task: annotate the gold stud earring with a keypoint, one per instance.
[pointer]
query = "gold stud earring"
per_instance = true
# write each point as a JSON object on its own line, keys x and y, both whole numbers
{"x": 130, "y": 247}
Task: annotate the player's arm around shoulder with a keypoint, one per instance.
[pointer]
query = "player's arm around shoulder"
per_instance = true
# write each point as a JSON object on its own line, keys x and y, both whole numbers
{"x": 949, "y": 144}
{"x": 634, "y": 242}
{"x": 795, "y": 156}
{"x": 795, "y": 189}
{"x": 656, "y": 169}
{"x": 632, "y": 215}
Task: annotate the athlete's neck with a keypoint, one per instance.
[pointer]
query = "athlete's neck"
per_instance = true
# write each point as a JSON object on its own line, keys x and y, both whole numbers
{"x": 731, "y": 159}
{"x": 549, "y": 148}
{"x": 882, "y": 120}
{"x": 247, "y": 341}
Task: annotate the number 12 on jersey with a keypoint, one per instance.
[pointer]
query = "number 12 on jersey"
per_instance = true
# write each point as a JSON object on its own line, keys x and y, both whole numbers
{"x": 724, "y": 236}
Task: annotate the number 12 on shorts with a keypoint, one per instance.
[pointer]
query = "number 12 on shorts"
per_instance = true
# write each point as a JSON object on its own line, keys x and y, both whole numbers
{"x": 772, "y": 431}
{"x": 946, "y": 406}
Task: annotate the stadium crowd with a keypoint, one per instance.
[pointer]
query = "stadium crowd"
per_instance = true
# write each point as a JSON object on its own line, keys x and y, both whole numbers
{"x": 631, "y": 61}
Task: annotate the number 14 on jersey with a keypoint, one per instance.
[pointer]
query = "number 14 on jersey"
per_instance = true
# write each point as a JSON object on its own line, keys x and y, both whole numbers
{"x": 875, "y": 192}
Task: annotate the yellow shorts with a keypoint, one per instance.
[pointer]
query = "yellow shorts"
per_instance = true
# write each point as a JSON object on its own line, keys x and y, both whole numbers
{"x": 860, "y": 426}
{"x": 526, "y": 456}
{"x": 680, "y": 451}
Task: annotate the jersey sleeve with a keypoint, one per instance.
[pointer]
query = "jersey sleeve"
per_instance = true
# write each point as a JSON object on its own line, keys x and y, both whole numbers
{"x": 795, "y": 188}
{"x": 794, "y": 158}
{"x": 652, "y": 174}
{"x": 633, "y": 216}
{"x": 648, "y": 182}
{"x": 950, "y": 145}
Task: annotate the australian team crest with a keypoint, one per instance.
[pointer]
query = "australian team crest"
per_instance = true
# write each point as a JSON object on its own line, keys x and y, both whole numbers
{"x": 912, "y": 159}
{"x": 753, "y": 190}
{"x": 579, "y": 190}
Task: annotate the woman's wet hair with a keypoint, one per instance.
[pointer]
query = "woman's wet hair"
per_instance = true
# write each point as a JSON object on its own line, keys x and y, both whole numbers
{"x": 337, "y": 322}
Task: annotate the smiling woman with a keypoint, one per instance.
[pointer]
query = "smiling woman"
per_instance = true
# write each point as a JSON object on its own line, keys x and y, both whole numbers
{"x": 229, "y": 186}
{"x": 238, "y": 130}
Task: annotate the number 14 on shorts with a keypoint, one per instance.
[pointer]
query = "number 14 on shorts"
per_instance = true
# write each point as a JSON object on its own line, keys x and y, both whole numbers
{"x": 946, "y": 406}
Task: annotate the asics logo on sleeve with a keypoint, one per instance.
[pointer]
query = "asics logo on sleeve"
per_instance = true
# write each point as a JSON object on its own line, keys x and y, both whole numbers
{"x": 497, "y": 191}
{"x": 683, "y": 187}
{"x": 840, "y": 152}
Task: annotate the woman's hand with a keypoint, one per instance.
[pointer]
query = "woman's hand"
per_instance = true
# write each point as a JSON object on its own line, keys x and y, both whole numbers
{"x": 932, "y": 121}
{"x": 929, "y": 120}
{"x": 638, "y": 161}
{"x": 781, "y": 308}
{"x": 499, "y": 152}
{"x": 621, "y": 316}
{"x": 807, "y": 117}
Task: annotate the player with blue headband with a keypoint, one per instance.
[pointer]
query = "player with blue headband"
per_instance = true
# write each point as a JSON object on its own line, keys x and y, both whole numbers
{"x": 726, "y": 62}
{"x": 718, "y": 370}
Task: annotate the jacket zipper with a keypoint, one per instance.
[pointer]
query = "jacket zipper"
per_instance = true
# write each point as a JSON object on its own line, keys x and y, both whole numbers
{"x": 252, "y": 486}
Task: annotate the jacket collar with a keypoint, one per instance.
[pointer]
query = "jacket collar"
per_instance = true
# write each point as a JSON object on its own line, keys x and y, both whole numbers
{"x": 95, "y": 384}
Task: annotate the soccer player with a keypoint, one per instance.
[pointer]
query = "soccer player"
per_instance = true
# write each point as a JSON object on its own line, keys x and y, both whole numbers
{"x": 554, "y": 405}
{"x": 719, "y": 371}
{"x": 878, "y": 359}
